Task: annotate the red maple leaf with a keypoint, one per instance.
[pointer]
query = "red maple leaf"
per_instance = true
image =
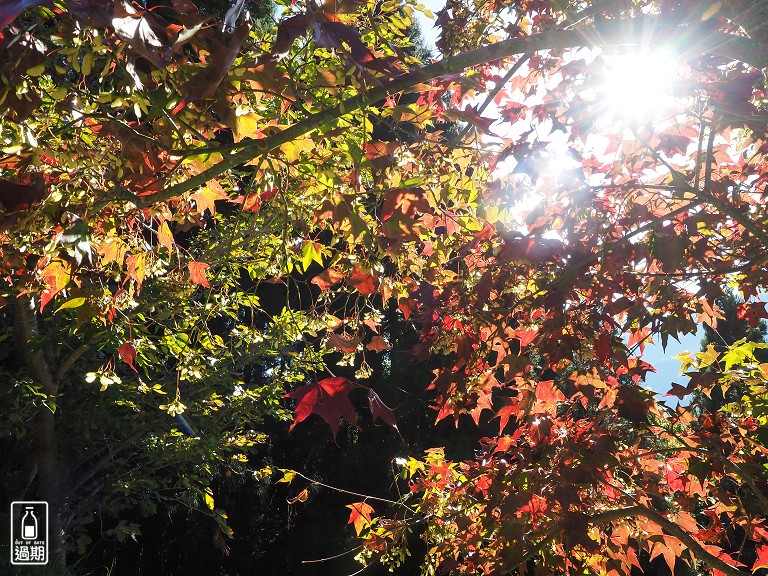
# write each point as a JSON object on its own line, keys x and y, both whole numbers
{"x": 378, "y": 344}
{"x": 381, "y": 411}
{"x": 329, "y": 399}
{"x": 675, "y": 474}
{"x": 362, "y": 280}
{"x": 536, "y": 507}
{"x": 268, "y": 194}
{"x": 603, "y": 348}
{"x": 671, "y": 144}
{"x": 511, "y": 407}
{"x": 751, "y": 312}
{"x": 346, "y": 345}
{"x": 128, "y": 354}
{"x": 327, "y": 278}
{"x": 252, "y": 203}
{"x": 526, "y": 337}
{"x": 547, "y": 391}
{"x": 762, "y": 557}
{"x": 406, "y": 201}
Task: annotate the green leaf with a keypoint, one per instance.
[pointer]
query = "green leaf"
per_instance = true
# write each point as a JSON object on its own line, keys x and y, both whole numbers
{"x": 36, "y": 70}
{"x": 741, "y": 352}
{"x": 71, "y": 303}
{"x": 311, "y": 252}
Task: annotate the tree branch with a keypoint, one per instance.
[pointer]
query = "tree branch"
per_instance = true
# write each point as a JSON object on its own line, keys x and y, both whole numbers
{"x": 705, "y": 196}
{"x": 112, "y": 451}
{"x": 695, "y": 38}
{"x": 673, "y": 529}
{"x": 70, "y": 360}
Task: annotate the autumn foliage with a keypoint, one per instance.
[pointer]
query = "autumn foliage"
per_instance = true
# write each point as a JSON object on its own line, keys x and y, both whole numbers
{"x": 160, "y": 175}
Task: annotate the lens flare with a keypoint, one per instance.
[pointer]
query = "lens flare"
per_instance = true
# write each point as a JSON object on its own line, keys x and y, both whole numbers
{"x": 638, "y": 86}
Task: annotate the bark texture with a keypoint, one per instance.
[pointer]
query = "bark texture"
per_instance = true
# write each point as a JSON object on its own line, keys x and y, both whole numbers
{"x": 46, "y": 444}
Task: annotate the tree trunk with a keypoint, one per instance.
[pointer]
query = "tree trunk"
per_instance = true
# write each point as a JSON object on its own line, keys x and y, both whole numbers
{"x": 46, "y": 447}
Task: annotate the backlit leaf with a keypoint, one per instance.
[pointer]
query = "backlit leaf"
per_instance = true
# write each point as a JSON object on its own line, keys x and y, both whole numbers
{"x": 329, "y": 399}
{"x": 197, "y": 273}
{"x": 762, "y": 557}
{"x": 380, "y": 411}
{"x": 360, "y": 515}
{"x": 164, "y": 236}
{"x": 72, "y": 303}
{"x": 328, "y": 278}
{"x": 362, "y": 280}
{"x": 205, "y": 198}
{"x": 127, "y": 354}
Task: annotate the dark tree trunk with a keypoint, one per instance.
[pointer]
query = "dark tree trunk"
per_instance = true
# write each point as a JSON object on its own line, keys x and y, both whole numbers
{"x": 46, "y": 446}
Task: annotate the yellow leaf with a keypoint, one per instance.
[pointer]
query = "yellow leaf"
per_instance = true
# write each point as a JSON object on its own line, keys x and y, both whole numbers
{"x": 71, "y": 303}
{"x": 311, "y": 252}
{"x": 246, "y": 126}
{"x": 263, "y": 472}
{"x": 209, "y": 499}
{"x": 293, "y": 149}
{"x": 206, "y": 197}
{"x": 707, "y": 357}
{"x": 164, "y": 236}
{"x": 288, "y": 476}
{"x": 112, "y": 251}
{"x": 56, "y": 276}
{"x": 685, "y": 359}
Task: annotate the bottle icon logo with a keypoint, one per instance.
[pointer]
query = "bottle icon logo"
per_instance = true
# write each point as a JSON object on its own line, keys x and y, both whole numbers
{"x": 29, "y": 533}
{"x": 29, "y": 524}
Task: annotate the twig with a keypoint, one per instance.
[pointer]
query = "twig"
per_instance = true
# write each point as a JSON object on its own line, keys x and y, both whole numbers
{"x": 358, "y": 494}
{"x": 355, "y": 549}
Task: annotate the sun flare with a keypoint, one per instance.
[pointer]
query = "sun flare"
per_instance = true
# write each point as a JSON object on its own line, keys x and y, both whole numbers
{"x": 637, "y": 86}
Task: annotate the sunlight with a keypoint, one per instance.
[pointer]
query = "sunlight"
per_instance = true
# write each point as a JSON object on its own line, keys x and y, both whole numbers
{"x": 637, "y": 86}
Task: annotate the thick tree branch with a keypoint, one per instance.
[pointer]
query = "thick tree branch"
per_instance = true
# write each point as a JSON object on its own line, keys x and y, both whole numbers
{"x": 698, "y": 551}
{"x": 697, "y": 37}
{"x": 70, "y": 360}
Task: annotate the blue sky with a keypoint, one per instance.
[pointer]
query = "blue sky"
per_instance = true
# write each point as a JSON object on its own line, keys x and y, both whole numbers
{"x": 668, "y": 369}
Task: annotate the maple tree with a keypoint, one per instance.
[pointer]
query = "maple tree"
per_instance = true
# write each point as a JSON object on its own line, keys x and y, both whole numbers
{"x": 188, "y": 206}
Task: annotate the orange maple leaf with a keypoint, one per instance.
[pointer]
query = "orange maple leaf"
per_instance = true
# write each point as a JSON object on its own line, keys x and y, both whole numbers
{"x": 197, "y": 272}
{"x": 360, "y": 515}
{"x": 205, "y": 198}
